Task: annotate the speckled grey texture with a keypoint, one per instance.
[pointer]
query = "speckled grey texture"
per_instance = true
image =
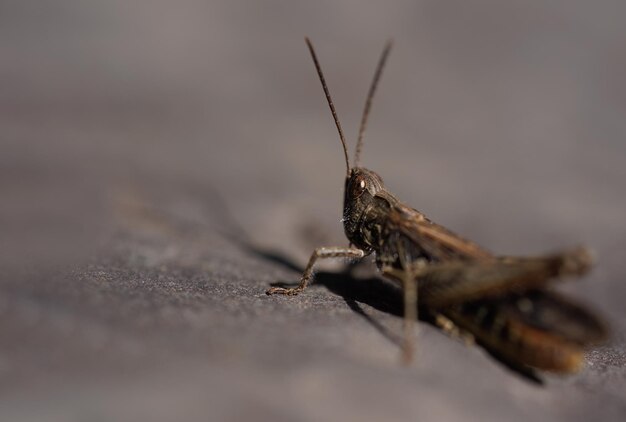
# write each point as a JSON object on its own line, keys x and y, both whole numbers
{"x": 162, "y": 164}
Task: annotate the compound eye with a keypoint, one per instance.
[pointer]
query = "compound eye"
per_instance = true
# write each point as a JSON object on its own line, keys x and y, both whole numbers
{"x": 359, "y": 186}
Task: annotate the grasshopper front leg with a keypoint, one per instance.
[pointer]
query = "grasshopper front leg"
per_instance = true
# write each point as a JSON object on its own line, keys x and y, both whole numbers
{"x": 319, "y": 253}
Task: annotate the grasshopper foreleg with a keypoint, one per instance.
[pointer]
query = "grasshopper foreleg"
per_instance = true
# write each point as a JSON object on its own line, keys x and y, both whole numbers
{"x": 319, "y": 253}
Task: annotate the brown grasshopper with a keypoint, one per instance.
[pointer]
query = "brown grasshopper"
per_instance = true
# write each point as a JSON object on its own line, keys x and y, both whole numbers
{"x": 504, "y": 303}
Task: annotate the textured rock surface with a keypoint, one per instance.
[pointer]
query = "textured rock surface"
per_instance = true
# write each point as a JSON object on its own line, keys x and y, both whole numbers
{"x": 163, "y": 164}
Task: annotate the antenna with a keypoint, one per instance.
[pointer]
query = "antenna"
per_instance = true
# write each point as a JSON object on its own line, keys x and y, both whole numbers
{"x": 330, "y": 102}
{"x": 368, "y": 102}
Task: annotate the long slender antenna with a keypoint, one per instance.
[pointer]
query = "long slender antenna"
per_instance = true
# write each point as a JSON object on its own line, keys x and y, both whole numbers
{"x": 330, "y": 102}
{"x": 368, "y": 102}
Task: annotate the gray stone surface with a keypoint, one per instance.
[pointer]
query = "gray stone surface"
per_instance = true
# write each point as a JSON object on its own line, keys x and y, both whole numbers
{"x": 162, "y": 164}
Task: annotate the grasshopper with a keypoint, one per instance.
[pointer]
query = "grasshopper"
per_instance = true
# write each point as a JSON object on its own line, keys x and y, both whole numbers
{"x": 503, "y": 303}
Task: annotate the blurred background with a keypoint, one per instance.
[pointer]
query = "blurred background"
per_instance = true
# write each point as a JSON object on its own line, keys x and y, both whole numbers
{"x": 162, "y": 163}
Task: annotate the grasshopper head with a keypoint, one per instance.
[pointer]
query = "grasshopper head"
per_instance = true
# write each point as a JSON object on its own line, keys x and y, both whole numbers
{"x": 360, "y": 191}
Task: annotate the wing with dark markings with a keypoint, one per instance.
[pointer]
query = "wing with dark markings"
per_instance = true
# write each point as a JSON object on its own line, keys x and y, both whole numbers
{"x": 437, "y": 242}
